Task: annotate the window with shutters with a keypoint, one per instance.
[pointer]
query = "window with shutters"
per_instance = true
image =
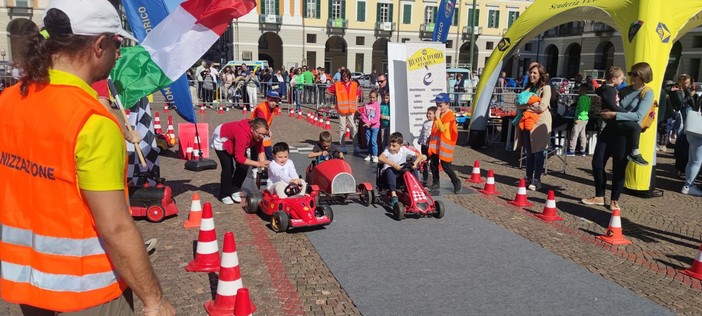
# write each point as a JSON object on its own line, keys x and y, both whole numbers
{"x": 407, "y": 14}
{"x": 471, "y": 13}
{"x": 270, "y": 7}
{"x": 429, "y": 14}
{"x": 513, "y": 15}
{"x": 312, "y": 9}
{"x": 361, "y": 11}
{"x": 336, "y": 12}
{"x": 456, "y": 14}
{"x": 384, "y": 12}
{"x": 493, "y": 19}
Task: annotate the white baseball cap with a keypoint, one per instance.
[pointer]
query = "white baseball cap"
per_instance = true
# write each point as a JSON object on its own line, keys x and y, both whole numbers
{"x": 91, "y": 17}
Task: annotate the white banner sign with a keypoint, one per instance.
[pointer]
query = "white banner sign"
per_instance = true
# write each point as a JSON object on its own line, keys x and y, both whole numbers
{"x": 417, "y": 75}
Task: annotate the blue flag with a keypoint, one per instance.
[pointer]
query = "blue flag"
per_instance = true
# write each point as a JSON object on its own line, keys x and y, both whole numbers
{"x": 444, "y": 19}
{"x": 144, "y": 15}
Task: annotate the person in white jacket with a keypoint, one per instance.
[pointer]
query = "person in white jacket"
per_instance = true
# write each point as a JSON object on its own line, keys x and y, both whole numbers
{"x": 281, "y": 172}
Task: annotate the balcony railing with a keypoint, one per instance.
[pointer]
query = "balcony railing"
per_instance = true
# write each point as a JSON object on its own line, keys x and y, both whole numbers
{"x": 426, "y": 30}
{"x": 467, "y": 29}
{"x": 270, "y": 22}
{"x": 337, "y": 25}
{"x": 385, "y": 26}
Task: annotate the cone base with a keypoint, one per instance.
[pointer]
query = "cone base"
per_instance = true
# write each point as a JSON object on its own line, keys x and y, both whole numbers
{"x": 692, "y": 274}
{"x": 479, "y": 180}
{"x": 189, "y": 224}
{"x": 195, "y": 266}
{"x": 486, "y": 192}
{"x": 521, "y": 204}
{"x": 549, "y": 218}
{"x": 214, "y": 310}
{"x": 614, "y": 240}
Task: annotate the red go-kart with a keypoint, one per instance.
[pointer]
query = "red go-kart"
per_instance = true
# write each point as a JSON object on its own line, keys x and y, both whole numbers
{"x": 290, "y": 212}
{"x": 153, "y": 202}
{"x": 413, "y": 197}
{"x": 335, "y": 179}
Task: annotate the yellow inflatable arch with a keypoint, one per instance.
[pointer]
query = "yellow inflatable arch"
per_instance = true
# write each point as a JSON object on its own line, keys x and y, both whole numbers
{"x": 648, "y": 28}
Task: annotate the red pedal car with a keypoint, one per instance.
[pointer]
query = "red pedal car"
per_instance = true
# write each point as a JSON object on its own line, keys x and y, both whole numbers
{"x": 413, "y": 197}
{"x": 153, "y": 202}
{"x": 335, "y": 179}
{"x": 290, "y": 212}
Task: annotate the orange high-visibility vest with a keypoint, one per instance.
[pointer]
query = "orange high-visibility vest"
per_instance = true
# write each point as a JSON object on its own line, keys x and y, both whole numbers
{"x": 440, "y": 143}
{"x": 268, "y": 116}
{"x": 346, "y": 100}
{"x": 50, "y": 251}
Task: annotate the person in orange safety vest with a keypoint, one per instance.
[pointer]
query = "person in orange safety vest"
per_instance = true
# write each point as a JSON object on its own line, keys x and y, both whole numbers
{"x": 442, "y": 142}
{"x": 347, "y": 94}
{"x": 267, "y": 110}
{"x": 68, "y": 241}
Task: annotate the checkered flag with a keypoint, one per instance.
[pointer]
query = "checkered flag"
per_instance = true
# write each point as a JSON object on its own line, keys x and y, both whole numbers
{"x": 140, "y": 118}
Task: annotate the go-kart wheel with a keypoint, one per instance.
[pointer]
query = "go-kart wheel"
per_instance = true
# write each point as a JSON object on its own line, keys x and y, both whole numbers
{"x": 399, "y": 211}
{"x": 280, "y": 221}
{"x": 326, "y": 210}
{"x": 252, "y": 200}
{"x": 365, "y": 196}
{"x": 155, "y": 213}
{"x": 439, "y": 209}
{"x": 376, "y": 196}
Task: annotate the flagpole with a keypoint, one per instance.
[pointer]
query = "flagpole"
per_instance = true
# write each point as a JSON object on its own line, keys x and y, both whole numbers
{"x": 113, "y": 90}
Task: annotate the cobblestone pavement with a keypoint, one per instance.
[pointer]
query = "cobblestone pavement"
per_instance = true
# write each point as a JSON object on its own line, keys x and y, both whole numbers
{"x": 287, "y": 277}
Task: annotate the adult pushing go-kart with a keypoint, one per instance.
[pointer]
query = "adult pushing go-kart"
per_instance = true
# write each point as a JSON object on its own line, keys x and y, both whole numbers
{"x": 334, "y": 177}
{"x": 398, "y": 165}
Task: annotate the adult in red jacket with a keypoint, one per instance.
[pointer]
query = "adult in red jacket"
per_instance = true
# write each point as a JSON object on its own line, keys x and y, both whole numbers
{"x": 231, "y": 140}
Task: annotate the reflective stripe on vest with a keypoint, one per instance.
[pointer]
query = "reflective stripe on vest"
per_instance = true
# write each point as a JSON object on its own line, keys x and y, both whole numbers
{"x": 56, "y": 282}
{"x": 51, "y": 245}
{"x": 346, "y": 99}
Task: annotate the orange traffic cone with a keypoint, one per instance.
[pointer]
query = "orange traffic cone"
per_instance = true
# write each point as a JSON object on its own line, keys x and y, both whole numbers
{"x": 195, "y": 212}
{"x": 202, "y": 108}
{"x": 196, "y": 148}
{"x": 221, "y": 110}
{"x": 550, "y": 212}
{"x": 489, "y": 188}
{"x": 244, "y": 109}
{"x": 695, "y": 271}
{"x": 171, "y": 131}
{"x": 157, "y": 124}
{"x": 291, "y": 113}
{"x": 348, "y": 133}
{"x": 244, "y": 306}
{"x": 321, "y": 121}
{"x": 229, "y": 282}
{"x": 165, "y": 108}
{"x": 189, "y": 153}
{"x": 475, "y": 175}
{"x": 207, "y": 253}
{"x": 614, "y": 234}
{"x": 327, "y": 125}
{"x": 299, "y": 115}
{"x": 521, "y": 198}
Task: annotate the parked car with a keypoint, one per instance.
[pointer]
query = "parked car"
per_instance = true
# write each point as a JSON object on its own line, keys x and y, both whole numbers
{"x": 357, "y": 75}
{"x": 468, "y": 86}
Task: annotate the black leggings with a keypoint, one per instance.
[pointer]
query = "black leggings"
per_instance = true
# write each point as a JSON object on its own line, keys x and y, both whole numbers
{"x": 434, "y": 164}
{"x": 611, "y": 142}
{"x": 534, "y": 160}
{"x": 230, "y": 179}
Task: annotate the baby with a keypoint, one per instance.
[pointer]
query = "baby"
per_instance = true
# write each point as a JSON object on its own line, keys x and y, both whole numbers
{"x": 281, "y": 172}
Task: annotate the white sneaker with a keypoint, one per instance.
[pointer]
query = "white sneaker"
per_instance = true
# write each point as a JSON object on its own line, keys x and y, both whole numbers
{"x": 255, "y": 172}
{"x": 368, "y": 158}
{"x": 236, "y": 197}
{"x": 535, "y": 185}
{"x": 374, "y": 159}
{"x": 691, "y": 190}
{"x": 227, "y": 200}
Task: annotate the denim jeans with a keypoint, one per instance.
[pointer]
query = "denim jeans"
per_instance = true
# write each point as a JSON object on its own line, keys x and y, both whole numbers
{"x": 694, "y": 160}
{"x": 298, "y": 95}
{"x": 372, "y": 141}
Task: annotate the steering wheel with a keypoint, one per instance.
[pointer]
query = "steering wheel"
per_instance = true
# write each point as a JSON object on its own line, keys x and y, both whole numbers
{"x": 293, "y": 189}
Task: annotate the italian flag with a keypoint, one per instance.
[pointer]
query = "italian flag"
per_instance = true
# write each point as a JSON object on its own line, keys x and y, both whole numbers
{"x": 173, "y": 46}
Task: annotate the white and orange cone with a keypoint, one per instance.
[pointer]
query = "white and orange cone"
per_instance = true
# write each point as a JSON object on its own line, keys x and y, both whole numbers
{"x": 327, "y": 125}
{"x": 229, "y": 282}
{"x": 490, "y": 188}
{"x": 165, "y": 108}
{"x": 202, "y": 108}
{"x": 195, "y": 212}
{"x": 291, "y": 112}
{"x": 189, "y": 153}
{"x": 695, "y": 271}
{"x": 244, "y": 109}
{"x": 299, "y": 114}
{"x": 550, "y": 212}
{"x": 521, "y": 198}
{"x": 171, "y": 131}
{"x": 614, "y": 233}
{"x": 348, "y": 133}
{"x": 157, "y": 124}
{"x": 207, "y": 253}
{"x": 475, "y": 175}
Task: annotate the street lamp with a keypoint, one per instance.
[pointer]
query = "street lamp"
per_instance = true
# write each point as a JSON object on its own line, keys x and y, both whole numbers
{"x": 472, "y": 36}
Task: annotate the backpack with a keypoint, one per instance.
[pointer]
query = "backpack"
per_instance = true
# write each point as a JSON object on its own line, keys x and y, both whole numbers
{"x": 650, "y": 117}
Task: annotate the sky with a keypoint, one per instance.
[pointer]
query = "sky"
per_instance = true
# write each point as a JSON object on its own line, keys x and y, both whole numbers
{"x": 172, "y": 4}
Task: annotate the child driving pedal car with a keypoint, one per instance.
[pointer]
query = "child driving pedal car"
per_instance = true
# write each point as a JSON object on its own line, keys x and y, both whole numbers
{"x": 393, "y": 158}
{"x": 324, "y": 149}
{"x": 281, "y": 172}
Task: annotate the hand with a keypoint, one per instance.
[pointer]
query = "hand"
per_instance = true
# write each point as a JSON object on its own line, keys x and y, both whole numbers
{"x": 132, "y": 136}
{"x": 324, "y": 153}
{"x": 396, "y": 166}
{"x": 341, "y": 155}
{"x": 263, "y": 164}
{"x": 608, "y": 115}
{"x": 296, "y": 181}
